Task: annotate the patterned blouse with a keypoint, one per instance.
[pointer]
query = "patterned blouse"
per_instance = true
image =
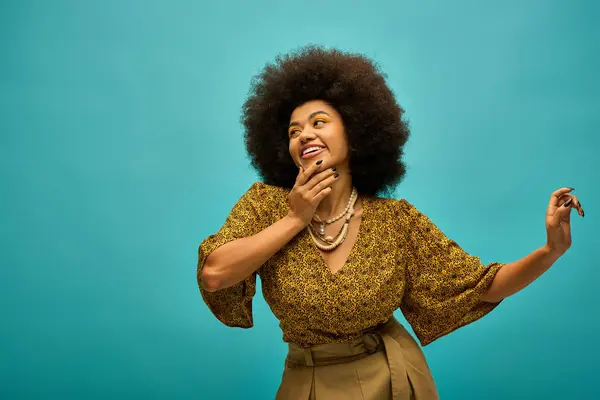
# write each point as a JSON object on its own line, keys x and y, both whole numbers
{"x": 400, "y": 260}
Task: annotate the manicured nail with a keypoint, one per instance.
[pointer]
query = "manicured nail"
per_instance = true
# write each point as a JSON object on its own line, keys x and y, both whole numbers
{"x": 336, "y": 175}
{"x": 581, "y": 208}
{"x": 334, "y": 169}
{"x": 568, "y": 202}
{"x": 319, "y": 162}
{"x": 571, "y": 189}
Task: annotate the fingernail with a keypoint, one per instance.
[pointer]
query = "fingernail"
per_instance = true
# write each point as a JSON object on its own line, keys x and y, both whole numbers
{"x": 568, "y": 202}
{"x": 319, "y": 162}
{"x": 334, "y": 169}
{"x": 571, "y": 188}
{"x": 581, "y": 208}
{"x": 336, "y": 175}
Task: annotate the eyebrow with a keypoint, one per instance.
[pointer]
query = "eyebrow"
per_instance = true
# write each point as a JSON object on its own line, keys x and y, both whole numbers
{"x": 311, "y": 116}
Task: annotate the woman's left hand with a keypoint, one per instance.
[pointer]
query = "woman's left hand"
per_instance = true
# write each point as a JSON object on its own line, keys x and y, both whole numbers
{"x": 558, "y": 219}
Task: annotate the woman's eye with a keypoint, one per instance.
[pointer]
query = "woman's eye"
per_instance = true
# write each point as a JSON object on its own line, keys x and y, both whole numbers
{"x": 317, "y": 121}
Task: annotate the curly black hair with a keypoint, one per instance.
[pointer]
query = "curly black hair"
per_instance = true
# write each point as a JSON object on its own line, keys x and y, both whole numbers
{"x": 355, "y": 87}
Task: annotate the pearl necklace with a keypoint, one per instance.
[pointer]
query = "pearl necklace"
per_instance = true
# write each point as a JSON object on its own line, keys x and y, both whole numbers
{"x": 331, "y": 242}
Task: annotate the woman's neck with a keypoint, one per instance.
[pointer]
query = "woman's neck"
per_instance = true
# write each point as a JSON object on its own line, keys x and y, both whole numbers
{"x": 337, "y": 200}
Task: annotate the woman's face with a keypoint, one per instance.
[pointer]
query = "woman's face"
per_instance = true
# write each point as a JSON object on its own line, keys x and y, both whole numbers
{"x": 316, "y": 132}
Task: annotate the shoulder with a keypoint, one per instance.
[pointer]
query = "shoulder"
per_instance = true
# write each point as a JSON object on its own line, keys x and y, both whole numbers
{"x": 262, "y": 190}
{"x": 403, "y": 214}
{"x": 268, "y": 199}
{"x": 409, "y": 209}
{"x": 392, "y": 207}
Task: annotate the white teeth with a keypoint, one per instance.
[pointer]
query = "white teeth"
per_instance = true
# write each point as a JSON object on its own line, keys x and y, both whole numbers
{"x": 310, "y": 149}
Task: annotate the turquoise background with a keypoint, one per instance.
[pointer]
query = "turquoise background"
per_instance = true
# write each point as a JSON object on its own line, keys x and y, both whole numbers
{"x": 121, "y": 150}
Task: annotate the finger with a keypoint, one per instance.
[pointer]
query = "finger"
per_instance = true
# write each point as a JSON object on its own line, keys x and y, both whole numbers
{"x": 563, "y": 199}
{"x": 300, "y": 170}
{"x": 319, "y": 178}
{"x": 576, "y": 204}
{"x": 323, "y": 184}
{"x": 322, "y": 194}
{"x": 554, "y": 198}
{"x": 563, "y": 213}
{"x": 582, "y": 213}
{"x": 309, "y": 172}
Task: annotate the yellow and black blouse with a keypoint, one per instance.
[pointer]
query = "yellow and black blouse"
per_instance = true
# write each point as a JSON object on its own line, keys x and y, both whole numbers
{"x": 400, "y": 260}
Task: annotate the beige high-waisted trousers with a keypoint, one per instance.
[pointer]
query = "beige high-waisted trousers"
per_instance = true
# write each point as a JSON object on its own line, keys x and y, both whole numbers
{"x": 384, "y": 364}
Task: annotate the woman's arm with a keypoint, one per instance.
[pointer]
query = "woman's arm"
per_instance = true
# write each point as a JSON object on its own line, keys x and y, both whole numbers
{"x": 515, "y": 276}
{"x": 236, "y": 260}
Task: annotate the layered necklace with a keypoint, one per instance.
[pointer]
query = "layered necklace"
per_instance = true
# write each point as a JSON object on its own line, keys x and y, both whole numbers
{"x": 328, "y": 243}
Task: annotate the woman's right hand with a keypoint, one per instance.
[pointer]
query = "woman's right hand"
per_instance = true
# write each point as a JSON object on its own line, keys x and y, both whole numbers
{"x": 310, "y": 188}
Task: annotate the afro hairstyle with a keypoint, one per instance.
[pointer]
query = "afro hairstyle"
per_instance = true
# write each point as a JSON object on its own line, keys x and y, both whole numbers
{"x": 350, "y": 83}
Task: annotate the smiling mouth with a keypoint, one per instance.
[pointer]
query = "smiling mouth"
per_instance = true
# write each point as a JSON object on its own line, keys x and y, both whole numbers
{"x": 312, "y": 152}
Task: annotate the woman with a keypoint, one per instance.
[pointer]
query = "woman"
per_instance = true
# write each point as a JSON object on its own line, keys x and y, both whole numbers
{"x": 335, "y": 259}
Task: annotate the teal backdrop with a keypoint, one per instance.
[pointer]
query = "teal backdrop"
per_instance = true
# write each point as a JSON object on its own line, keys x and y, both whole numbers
{"x": 121, "y": 150}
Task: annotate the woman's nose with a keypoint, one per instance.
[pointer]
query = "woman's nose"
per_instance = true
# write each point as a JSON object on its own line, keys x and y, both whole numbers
{"x": 306, "y": 135}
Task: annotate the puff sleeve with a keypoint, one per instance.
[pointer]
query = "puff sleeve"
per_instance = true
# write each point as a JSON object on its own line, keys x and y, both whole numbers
{"x": 444, "y": 283}
{"x": 233, "y": 305}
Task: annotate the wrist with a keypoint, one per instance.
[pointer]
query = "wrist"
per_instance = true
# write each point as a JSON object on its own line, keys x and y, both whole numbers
{"x": 296, "y": 221}
{"x": 552, "y": 252}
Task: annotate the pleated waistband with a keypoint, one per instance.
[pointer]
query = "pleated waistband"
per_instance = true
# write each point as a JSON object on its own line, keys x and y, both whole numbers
{"x": 410, "y": 376}
{"x": 336, "y": 353}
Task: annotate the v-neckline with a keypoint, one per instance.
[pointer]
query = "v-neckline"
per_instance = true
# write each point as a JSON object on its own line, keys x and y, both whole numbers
{"x": 353, "y": 249}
